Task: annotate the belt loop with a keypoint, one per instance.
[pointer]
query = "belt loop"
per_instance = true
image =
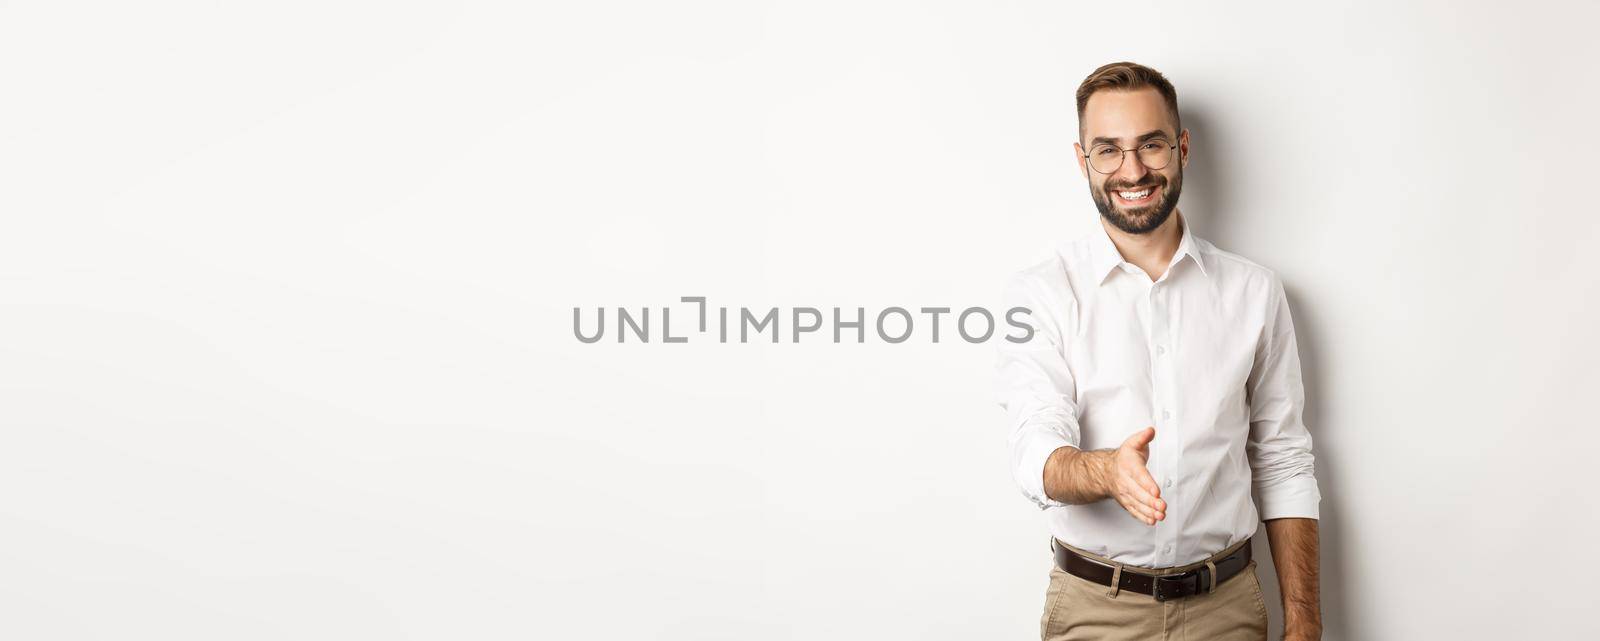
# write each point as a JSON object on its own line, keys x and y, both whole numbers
{"x": 1213, "y": 570}
{"x": 1116, "y": 580}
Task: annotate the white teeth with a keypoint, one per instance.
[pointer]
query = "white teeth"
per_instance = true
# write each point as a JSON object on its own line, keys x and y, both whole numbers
{"x": 1133, "y": 195}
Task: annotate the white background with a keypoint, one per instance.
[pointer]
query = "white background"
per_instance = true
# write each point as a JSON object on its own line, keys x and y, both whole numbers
{"x": 286, "y": 347}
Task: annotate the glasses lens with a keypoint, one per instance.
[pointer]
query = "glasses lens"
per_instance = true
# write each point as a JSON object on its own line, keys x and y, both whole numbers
{"x": 1105, "y": 158}
{"x": 1155, "y": 154}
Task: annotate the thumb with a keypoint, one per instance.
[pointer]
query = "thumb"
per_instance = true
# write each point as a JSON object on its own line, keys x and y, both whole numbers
{"x": 1142, "y": 438}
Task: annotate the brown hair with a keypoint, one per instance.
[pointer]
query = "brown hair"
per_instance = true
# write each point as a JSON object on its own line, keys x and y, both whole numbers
{"x": 1126, "y": 76}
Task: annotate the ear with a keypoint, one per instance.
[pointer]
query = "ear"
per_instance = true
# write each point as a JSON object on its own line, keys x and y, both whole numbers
{"x": 1183, "y": 149}
{"x": 1083, "y": 167}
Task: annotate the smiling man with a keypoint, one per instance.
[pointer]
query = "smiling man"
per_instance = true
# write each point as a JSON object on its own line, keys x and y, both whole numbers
{"x": 1155, "y": 416}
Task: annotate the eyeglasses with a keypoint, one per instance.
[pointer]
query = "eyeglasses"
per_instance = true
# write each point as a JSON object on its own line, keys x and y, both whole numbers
{"x": 1153, "y": 154}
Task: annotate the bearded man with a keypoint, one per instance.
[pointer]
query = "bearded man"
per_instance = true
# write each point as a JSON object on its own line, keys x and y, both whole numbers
{"x": 1155, "y": 416}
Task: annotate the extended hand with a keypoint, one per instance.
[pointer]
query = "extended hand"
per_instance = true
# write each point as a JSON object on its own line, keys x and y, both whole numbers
{"x": 1131, "y": 483}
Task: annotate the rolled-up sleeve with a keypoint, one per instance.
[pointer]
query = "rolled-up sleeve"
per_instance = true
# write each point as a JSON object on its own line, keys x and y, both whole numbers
{"x": 1283, "y": 482}
{"x": 1036, "y": 388}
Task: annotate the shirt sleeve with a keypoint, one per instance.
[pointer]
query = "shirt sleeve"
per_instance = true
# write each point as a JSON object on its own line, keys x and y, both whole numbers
{"x": 1035, "y": 387}
{"x": 1283, "y": 469}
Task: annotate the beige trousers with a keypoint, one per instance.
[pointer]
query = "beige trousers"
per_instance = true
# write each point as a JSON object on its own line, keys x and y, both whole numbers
{"x": 1077, "y": 608}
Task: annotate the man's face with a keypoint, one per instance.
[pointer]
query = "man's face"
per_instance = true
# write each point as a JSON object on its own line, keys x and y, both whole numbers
{"x": 1134, "y": 197}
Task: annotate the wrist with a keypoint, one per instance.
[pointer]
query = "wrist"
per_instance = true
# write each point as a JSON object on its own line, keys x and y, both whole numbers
{"x": 1103, "y": 464}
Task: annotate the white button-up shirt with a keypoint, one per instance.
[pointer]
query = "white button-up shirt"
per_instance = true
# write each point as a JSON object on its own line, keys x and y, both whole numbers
{"x": 1206, "y": 354}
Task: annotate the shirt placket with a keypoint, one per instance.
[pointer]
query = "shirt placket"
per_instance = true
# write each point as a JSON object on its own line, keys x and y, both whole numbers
{"x": 1164, "y": 397}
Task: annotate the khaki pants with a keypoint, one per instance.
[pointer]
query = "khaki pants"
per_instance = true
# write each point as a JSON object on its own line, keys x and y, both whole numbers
{"x": 1077, "y": 608}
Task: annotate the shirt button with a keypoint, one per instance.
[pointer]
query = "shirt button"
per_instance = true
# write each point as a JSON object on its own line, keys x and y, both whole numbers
{"x": 1169, "y": 482}
{"x": 1166, "y": 414}
{"x": 1160, "y": 350}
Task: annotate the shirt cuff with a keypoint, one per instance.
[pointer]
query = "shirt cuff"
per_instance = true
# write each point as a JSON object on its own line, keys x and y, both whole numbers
{"x": 1293, "y": 497}
{"x": 1035, "y": 450}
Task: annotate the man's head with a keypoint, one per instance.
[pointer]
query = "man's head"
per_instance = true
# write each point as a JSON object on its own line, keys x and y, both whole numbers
{"x": 1131, "y": 107}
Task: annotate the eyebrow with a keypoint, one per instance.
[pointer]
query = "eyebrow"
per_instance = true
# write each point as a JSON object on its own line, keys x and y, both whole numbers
{"x": 1154, "y": 133}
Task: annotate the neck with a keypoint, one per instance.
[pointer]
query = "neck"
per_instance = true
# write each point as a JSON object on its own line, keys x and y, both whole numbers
{"x": 1150, "y": 252}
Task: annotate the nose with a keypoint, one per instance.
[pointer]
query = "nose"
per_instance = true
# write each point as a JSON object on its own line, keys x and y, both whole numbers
{"x": 1132, "y": 170}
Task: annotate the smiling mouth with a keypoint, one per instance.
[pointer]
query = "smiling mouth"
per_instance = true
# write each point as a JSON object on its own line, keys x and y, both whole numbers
{"x": 1135, "y": 197}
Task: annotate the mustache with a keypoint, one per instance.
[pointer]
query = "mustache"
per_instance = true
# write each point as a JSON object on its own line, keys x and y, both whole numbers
{"x": 1129, "y": 186}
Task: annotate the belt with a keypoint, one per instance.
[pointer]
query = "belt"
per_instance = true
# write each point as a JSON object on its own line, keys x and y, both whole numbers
{"x": 1163, "y": 588}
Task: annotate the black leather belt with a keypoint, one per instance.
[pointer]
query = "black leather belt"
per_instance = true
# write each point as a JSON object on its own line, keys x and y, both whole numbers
{"x": 1163, "y": 588}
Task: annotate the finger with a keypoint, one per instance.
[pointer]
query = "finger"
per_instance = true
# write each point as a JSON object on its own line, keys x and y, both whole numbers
{"x": 1138, "y": 508}
{"x": 1139, "y": 492}
{"x": 1142, "y": 438}
{"x": 1138, "y": 511}
{"x": 1135, "y": 486}
{"x": 1151, "y": 515}
{"x": 1145, "y": 481}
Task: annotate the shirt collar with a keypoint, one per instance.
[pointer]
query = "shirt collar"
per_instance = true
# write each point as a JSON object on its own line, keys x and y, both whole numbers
{"x": 1104, "y": 256}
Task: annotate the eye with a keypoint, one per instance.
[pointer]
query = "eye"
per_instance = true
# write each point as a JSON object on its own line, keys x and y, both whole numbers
{"x": 1153, "y": 145}
{"x": 1105, "y": 151}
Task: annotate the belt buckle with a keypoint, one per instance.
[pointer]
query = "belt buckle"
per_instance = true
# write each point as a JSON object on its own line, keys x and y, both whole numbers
{"x": 1192, "y": 579}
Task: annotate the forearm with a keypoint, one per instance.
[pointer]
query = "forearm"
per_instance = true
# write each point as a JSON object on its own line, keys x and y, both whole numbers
{"x": 1077, "y": 477}
{"x": 1295, "y": 554}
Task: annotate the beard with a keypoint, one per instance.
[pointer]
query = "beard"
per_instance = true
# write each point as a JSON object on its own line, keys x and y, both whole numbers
{"x": 1139, "y": 220}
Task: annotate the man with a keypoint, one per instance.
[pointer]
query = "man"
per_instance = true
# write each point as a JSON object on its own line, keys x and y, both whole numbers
{"x": 1155, "y": 414}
